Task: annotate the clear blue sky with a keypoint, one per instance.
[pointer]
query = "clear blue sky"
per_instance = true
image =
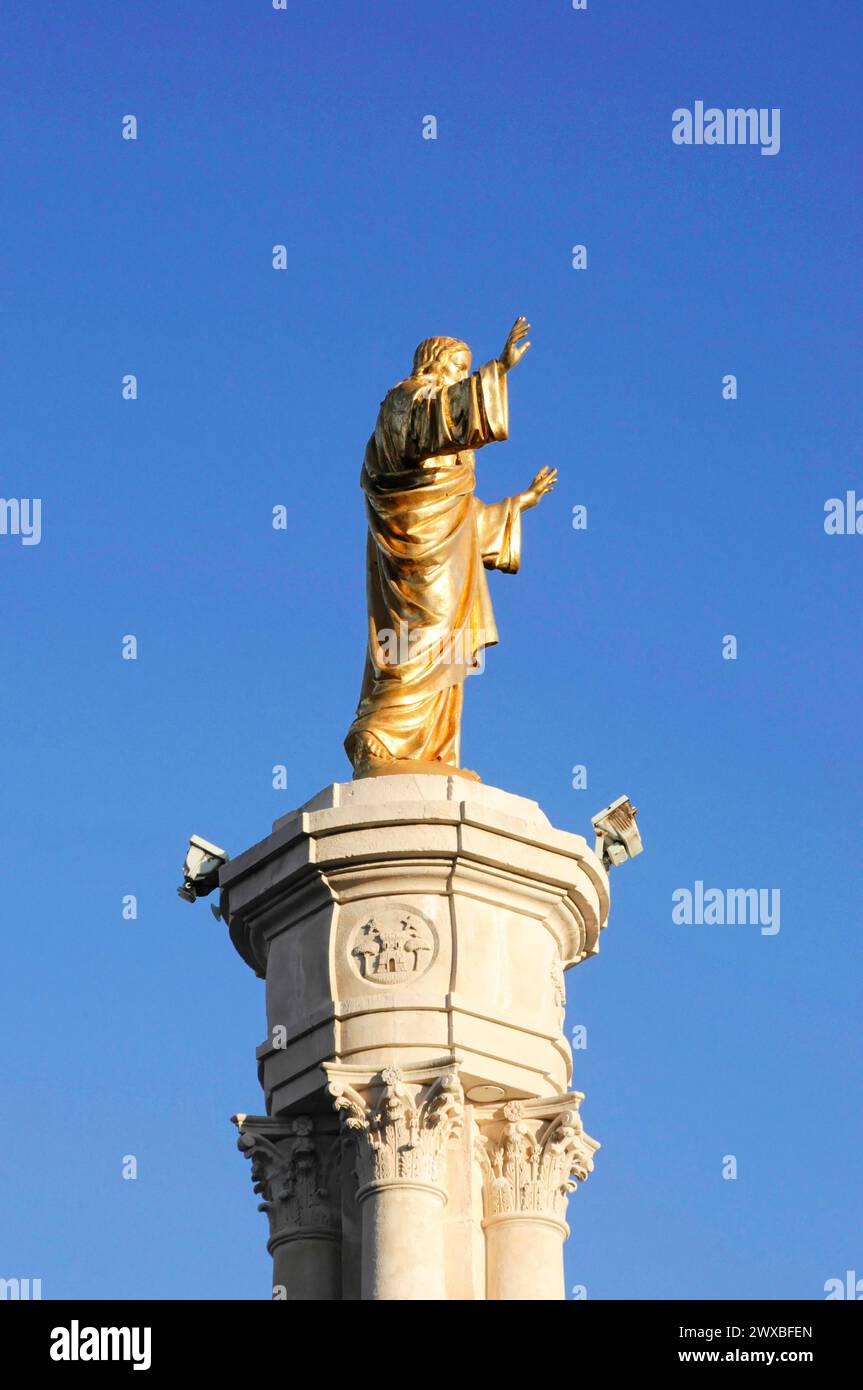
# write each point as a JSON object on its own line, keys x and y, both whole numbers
{"x": 257, "y": 387}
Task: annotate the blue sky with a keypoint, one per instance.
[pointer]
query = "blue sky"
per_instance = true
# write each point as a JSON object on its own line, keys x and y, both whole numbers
{"x": 258, "y": 387}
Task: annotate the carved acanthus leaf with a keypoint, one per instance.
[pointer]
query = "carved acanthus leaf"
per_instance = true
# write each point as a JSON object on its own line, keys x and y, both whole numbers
{"x": 402, "y": 1125}
{"x": 533, "y": 1155}
{"x": 294, "y": 1169}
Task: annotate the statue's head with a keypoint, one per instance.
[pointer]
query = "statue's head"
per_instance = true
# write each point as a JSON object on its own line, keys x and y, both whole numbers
{"x": 447, "y": 360}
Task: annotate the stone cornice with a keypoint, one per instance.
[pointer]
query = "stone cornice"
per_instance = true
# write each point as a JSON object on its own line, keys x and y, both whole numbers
{"x": 309, "y": 859}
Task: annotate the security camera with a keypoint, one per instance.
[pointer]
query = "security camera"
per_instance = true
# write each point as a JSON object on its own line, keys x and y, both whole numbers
{"x": 617, "y": 837}
{"x": 201, "y": 869}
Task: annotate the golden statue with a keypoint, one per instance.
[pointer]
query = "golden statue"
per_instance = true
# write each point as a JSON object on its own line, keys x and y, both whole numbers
{"x": 430, "y": 541}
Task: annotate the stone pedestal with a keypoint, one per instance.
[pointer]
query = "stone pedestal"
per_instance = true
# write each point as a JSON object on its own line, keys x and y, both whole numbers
{"x": 421, "y": 1139}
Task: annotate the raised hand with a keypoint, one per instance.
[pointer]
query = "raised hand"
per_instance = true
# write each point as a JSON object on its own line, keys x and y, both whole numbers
{"x": 543, "y": 482}
{"x": 514, "y": 348}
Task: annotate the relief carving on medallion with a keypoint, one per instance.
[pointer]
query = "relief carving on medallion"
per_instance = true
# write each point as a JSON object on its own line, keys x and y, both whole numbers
{"x": 393, "y": 946}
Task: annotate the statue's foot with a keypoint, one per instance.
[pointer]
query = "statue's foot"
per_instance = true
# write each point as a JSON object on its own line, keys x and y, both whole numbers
{"x": 365, "y": 752}
{"x": 371, "y": 759}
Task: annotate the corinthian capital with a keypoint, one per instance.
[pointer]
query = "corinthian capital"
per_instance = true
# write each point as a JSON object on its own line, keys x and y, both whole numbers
{"x": 533, "y": 1153}
{"x": 402, "y": 1120}
{"x": 295, "y": 1165}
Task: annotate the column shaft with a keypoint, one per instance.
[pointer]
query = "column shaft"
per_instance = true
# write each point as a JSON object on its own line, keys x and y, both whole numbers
{"x": 307, "y": 1267}
{"x": 296, "y": 1168}
{"x": 524, "y": 1258}
{"x": 403, "y": 1242}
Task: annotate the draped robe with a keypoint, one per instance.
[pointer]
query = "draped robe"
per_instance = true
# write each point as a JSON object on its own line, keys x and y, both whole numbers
{"x": 430, "y": 541}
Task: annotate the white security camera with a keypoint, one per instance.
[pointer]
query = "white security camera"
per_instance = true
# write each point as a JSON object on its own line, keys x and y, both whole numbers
{"x": 617, "y": 837}
{"x": 201, "y": 869}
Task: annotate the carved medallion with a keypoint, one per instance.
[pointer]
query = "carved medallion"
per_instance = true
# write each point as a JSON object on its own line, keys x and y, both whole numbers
{"x": 393, "y": 947}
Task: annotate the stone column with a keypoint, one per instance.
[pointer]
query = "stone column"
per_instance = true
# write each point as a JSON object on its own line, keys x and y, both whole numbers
{"x": 414, "y": 932}
{"x": 400, "y": 1123}
{"x": 296, "y": 1167}
{"x": 531, "y": 1152}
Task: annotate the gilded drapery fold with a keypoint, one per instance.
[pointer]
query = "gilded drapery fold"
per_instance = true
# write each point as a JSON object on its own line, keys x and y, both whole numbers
{"x": 499, "y": 530}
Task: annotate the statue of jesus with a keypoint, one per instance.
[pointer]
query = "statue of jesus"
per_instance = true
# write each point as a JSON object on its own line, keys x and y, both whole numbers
{"x": 430, "y": 541}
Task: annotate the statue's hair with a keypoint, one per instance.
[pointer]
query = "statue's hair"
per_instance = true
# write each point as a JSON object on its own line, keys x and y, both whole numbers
{"x": 433, "y": 351}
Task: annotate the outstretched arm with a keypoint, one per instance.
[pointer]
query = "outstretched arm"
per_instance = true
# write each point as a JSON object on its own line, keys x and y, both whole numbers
{"x": 470, "y": 413}
{"x": 515, "y": 347}
{"x": 543, "y": 482}
{"x": 466, "y": 415}
{"x": 499, "y": 525}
